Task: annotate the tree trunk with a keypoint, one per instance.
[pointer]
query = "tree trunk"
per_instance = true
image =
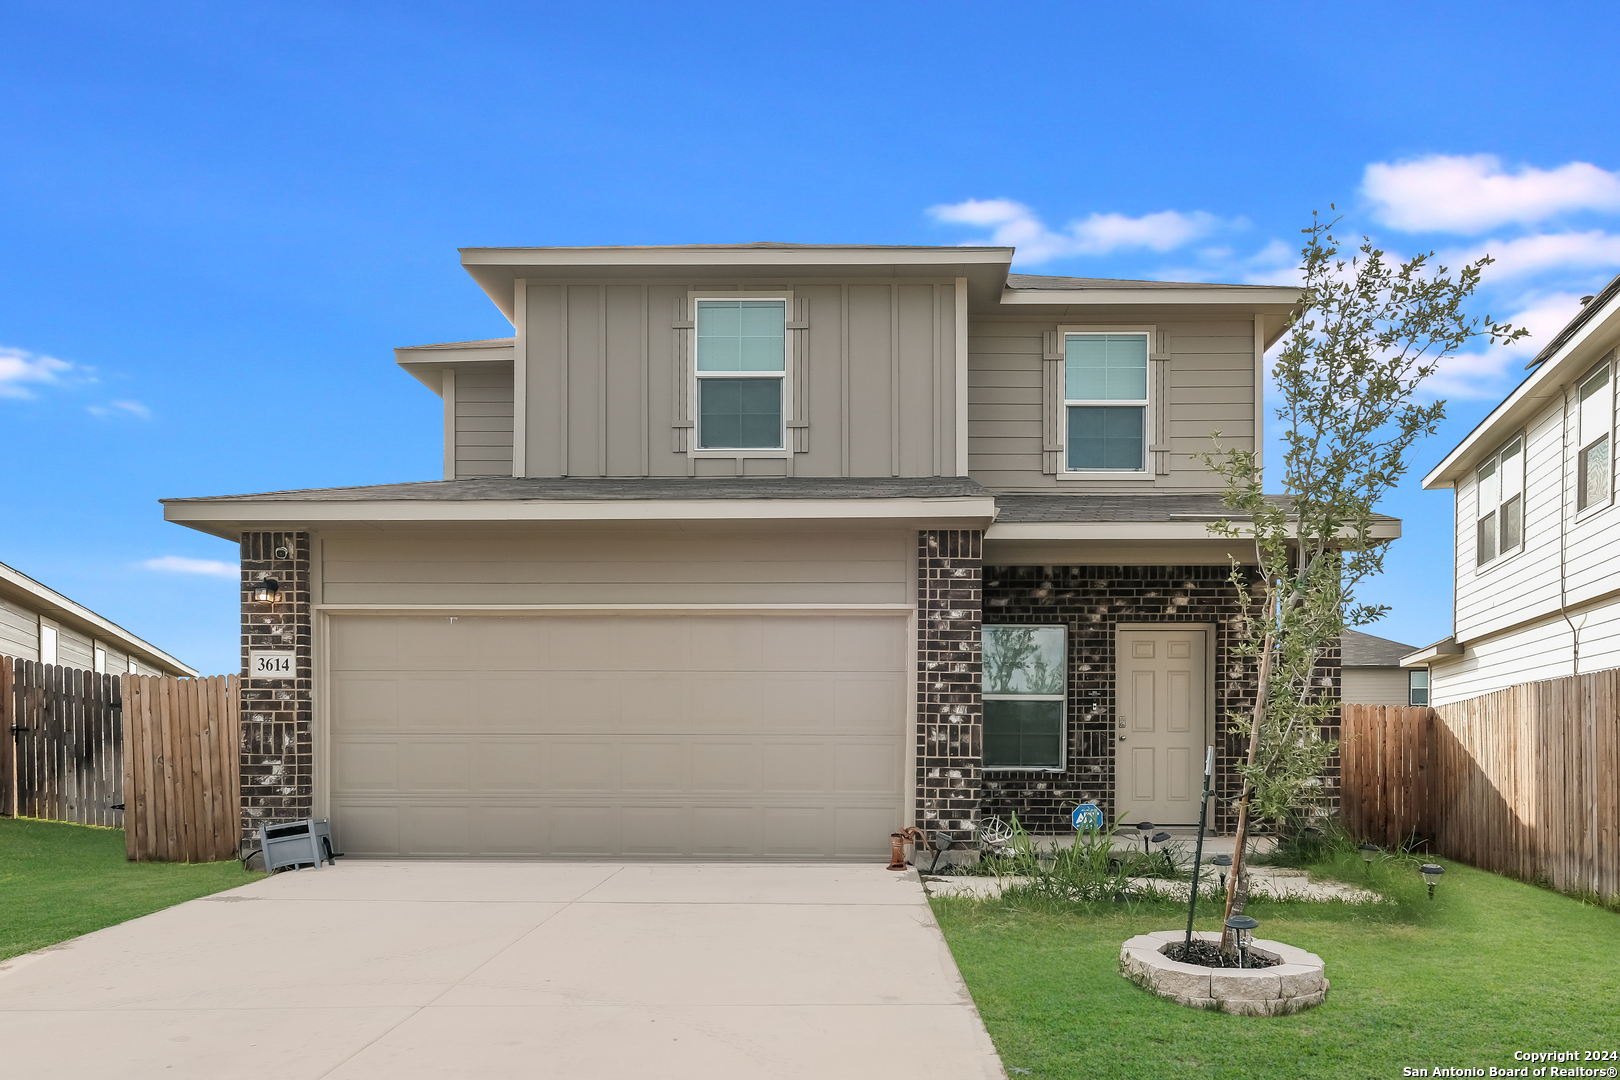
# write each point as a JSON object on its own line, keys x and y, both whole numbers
{"x": 1237, "y": 894}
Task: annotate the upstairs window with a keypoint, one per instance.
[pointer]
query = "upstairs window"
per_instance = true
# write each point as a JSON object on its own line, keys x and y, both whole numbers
{"x": 1105, "y": 402}
{"x": 741, "y": 374}
{"x": 1417, "y": 686}
{"x": 1025, "y": 700}
{"x": 1499, "y": 520}
{"x": 1594, "y": 422}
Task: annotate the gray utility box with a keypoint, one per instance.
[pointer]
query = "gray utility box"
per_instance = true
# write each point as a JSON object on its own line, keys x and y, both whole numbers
{"x": 296, "y": 844}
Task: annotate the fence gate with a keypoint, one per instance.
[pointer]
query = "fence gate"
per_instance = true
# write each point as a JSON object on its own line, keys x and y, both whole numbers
{"x": 180, "y": 768}
{"x": 61, "y": 747}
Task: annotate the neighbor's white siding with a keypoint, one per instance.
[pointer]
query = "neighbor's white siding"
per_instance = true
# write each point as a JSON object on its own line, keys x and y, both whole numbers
{"x": 1374, "y": 686}
{"x": 19, "y": 632}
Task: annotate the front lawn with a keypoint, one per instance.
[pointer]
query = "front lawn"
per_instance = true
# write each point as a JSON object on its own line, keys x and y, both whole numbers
{"x": 1490, "y": 967}
{"x": 59, "y": 881}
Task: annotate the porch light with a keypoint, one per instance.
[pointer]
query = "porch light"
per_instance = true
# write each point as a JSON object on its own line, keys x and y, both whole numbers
{"x": 1240, "y": 925}
{"x": 267, "y": 590}
{"x": 1431, "y": 875}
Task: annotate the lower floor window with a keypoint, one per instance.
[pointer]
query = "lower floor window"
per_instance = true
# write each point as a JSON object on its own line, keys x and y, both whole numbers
{"x": 1418, "y": 687}
{"x": 1023, "y": 734}
{"x": 1025, "y": 700}
{"x": 1107, "y": 437}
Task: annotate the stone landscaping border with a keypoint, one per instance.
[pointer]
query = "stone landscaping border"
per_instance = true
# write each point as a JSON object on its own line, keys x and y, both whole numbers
{"x": 1297, "y": 982}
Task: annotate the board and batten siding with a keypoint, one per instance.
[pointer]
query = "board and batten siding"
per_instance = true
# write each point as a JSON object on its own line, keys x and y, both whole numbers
{"x": 644, "y": 566}
{"x": 482, "y": 404}
{"x": 607, "y": 380}
{"x": 1210, "y": 388}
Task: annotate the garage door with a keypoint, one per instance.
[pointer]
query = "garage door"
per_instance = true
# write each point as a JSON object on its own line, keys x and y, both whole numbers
{"x": 635, "y": 735}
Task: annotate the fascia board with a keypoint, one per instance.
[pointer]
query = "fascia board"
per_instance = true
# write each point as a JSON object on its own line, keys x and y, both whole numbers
{"x": 1259, "y": 297}
{"x": 209, "y": 516}
{"x": 42, "y": 600}
{"x": 787, "y": 257}
{"x": 1439, "y": 651}
{"x": 1542, "y": 385}
{"x": 1133, "y": 530}
{"x": 417, "y": 355}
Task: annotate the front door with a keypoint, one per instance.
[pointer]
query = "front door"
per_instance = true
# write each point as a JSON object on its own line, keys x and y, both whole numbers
{"x": 1158, "y": 765}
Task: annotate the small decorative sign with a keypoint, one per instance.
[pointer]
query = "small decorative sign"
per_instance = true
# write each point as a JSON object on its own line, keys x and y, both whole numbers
{"x": 1086, "y": 817}
{"x": 271, "y": 664}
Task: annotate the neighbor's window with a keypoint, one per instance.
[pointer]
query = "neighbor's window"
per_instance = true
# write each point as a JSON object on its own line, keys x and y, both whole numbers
{"x": 741, "y": 374}
{"x": 1024, "y": 687}
{"x": 1499, "y": 521}
{"x": 100, "y": 661}
{"x": 47, "y": 644}
{"x": 1417, "y": 692}
{"x": 1105, "y": 401}
{"x": 1595, "y": 418}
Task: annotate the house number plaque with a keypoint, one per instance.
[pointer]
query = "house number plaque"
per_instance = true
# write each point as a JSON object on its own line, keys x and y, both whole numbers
{"x": 271, "y": 664}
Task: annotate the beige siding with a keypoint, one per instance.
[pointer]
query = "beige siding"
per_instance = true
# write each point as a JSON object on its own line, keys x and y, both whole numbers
{"x": 1211, "y": 388}
{"x": 483, "y": 407}
{"x": 74, "y": 649}
{"x": 644, "y": 566}
{"x": 19, "y": 632}
{"x": 1374, "y": 686}
{"x": 877, "y": 385}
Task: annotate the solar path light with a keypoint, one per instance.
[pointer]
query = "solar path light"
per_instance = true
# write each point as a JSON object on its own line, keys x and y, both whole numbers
{"x": 1241, "y": 925}
{"x": 1431, "y": 875}
{"x": 1221, "y": 863}
{"x": 1144, "y": 827}
{"x": 1368, "y": 852}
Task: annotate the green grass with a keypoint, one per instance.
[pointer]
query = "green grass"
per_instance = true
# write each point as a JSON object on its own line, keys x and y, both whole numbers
{"x": 59, "y": 881}
{"x": 1490, "y": 966}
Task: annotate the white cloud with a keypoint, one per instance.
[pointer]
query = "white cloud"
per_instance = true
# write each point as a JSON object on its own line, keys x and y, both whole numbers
{"x": 1014, "y": 224}
{"x": 1525, "y": 255}
{"x": 19, "y": 367}
{"x": 180, "y": 564}
{"x": 1442, "y": 193}
{"x": 127, "y": 408}
{"x": 1493, "y": 371}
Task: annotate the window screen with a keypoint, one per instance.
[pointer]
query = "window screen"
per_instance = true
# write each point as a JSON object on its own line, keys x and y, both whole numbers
{"x": 1418, "y": 687}
{"x": 1025, "y": 694}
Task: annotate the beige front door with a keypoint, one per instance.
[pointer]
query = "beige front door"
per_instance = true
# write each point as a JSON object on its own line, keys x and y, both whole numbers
{"x": 618, "y": 735}
{"x": 1160, "y": 677}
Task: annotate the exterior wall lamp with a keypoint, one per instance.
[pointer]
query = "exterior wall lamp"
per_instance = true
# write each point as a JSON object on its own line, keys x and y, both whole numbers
{"x": 267, "y": 591}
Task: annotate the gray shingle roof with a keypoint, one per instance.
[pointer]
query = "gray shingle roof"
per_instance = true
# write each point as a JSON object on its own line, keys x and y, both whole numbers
{"x": 1363, "y": 650}
{"x": 516, "y": 489}
{"x": 1087, "y": 508}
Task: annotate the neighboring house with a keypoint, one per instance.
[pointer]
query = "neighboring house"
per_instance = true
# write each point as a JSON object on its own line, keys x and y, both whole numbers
{"x": 1372, "y": 673}
{"x": 37, "y": 623}
{"x": 720, "y": 535}
{"x": 1537, "y": 579}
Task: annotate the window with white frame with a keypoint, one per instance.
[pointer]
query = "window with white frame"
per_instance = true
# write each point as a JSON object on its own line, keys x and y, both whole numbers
{"x": 47, "y": 644}
{"x": 1105, "y": 402}
{"x": 741, "y": 374}
{"x": 1417, "y": 686}
{"x": 99, "y": 661}
{"x": 1499, "y": 519}
{"x": 1594, "y": 423}
{"x": 1024, "y": 684}
{"x": 134, "y": 668}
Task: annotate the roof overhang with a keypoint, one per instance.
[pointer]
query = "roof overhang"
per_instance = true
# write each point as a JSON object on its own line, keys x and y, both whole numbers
{"x": 229, "y": 518}
{"x": 427, "y": 362}
{"x": 1188, "y": 529}
{"x": 1439, "y": 651}
{"x": 30, "y": 594}
{"x": 1125, "y": 303}
{"x": 1594, "y": 335}
{"x": 497, "y": 269}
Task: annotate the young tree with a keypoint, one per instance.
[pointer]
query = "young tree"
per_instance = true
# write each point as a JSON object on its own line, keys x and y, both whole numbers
{"x": 1367, "y": 333}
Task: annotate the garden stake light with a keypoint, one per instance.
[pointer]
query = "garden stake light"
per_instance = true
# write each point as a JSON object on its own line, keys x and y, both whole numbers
{"x": 1240, "y": 925}
{"x": 1367, "y": 853}
{"x": 1431, "y": 875}
{"x": 1222, "y": 862}
{"x": 1145, "y": 827}
{"x": 1198, "y": 852}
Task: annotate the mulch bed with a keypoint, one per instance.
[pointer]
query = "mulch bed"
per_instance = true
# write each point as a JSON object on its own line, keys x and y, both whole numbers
{"x": 1208, "y": 954}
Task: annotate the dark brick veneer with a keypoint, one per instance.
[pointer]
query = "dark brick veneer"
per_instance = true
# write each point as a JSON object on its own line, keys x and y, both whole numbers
{"x": 277, "y": 748}
{"x": 949, "y": 712}
{"x": 1091, "y": 601}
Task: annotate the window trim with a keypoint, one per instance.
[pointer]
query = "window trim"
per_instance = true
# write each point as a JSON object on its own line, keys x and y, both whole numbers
{"x": 1428, "y": 686}
{"x": 695, "y": 448}
{"x": 1063, "y": 723}
{"x": 1582, "y": 443}
{"x": 1149, "y": 407}
{"x": 45, "y": 625}
{"x": 1502, "y": 555}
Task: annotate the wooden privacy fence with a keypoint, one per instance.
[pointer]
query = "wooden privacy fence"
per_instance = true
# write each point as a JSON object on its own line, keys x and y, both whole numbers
{"x": 60, "y": 744}
{"x": 1524, "y": 781}
{"x": 180, "y": 768}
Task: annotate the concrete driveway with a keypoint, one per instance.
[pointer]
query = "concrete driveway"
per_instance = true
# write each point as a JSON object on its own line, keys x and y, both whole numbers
{"x": 424, "y": 969}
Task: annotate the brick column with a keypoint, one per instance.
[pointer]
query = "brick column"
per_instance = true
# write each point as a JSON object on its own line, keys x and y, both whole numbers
{"x": 950, "y": 714}
{"x": 277, "y": 761}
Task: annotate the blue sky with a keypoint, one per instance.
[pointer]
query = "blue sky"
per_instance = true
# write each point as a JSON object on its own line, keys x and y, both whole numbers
{"x": 217, "y": 220}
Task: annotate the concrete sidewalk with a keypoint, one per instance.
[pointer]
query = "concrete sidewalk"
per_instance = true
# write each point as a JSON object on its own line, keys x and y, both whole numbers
{"x": 491, "y": 970}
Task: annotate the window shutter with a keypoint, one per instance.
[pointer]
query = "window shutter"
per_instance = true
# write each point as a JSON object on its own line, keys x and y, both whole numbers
{"x": 798, "y": 343}
{"x": 1160, "y": 360}
{"x": 681, "y": 423}
{"x": 1052, "y": 403}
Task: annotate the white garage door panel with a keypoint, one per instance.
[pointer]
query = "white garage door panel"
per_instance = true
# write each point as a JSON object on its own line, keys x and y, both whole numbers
{"x": 633, "y": 735}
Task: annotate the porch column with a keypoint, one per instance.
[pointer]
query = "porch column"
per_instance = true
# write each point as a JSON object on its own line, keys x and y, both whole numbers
{"x": 950, "y": 714}
{"x": 277, "y": 758}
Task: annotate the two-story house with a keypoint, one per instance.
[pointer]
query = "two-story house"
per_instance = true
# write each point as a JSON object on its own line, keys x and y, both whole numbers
{"x": 766, "y": 550}
{"x": 1537, "y": 592}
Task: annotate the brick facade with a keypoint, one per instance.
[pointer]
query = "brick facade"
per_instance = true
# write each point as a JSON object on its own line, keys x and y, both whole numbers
{"x": 1091, "y": 601}
{"x": 949, "y": 713}
{"x": 278, "y": 780}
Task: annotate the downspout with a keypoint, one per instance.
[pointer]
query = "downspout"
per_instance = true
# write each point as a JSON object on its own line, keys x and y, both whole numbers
{"x": 1563, "y": 589}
